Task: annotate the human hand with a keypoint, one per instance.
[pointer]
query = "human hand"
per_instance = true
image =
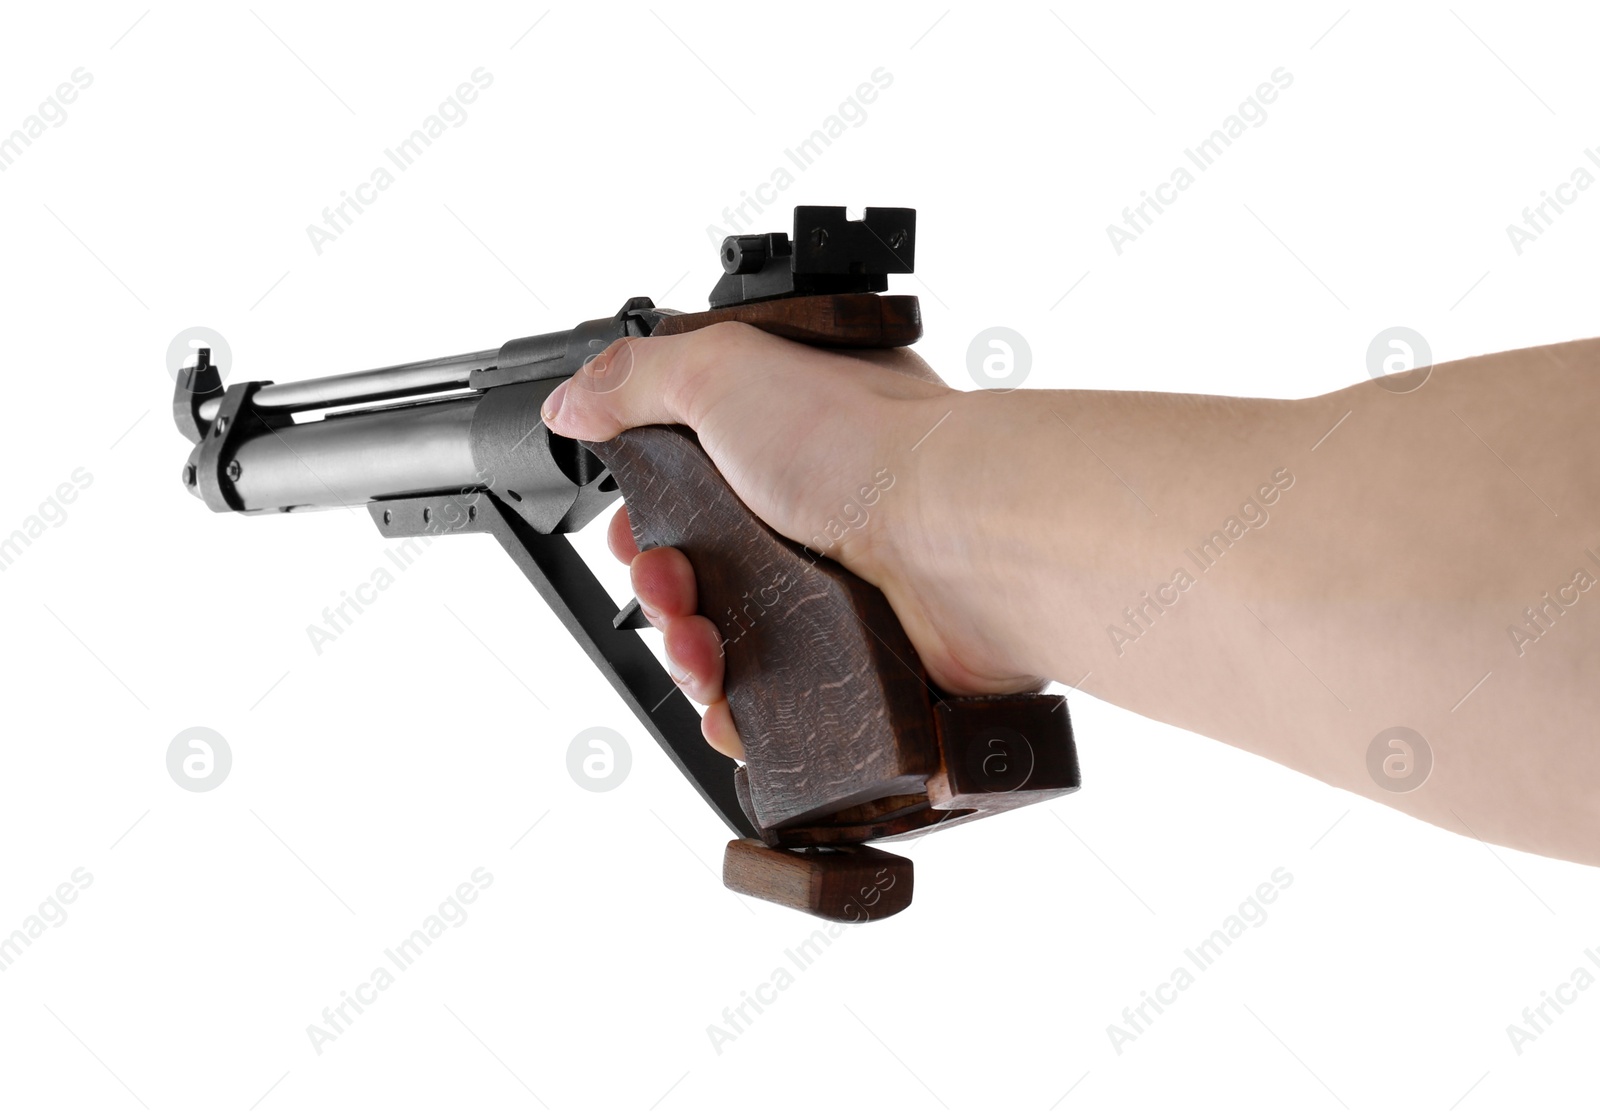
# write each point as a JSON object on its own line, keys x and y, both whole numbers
{"x": 803, "y": 436}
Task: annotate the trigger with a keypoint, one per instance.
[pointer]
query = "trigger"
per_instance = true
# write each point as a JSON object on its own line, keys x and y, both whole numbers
{"x": 631, "y": 618}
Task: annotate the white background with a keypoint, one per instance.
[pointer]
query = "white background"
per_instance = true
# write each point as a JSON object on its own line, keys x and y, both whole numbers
{"x": 372, "y": 778}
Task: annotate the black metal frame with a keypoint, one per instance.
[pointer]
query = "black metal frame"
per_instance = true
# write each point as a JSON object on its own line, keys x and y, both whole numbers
{"x": 587, "y": 610}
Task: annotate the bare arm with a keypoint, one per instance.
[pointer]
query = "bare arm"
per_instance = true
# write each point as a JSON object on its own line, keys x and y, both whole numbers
{"x": 1290, "y": 577}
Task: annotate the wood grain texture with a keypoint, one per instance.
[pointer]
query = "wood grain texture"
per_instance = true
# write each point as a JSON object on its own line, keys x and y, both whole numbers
{"x": 825, "y": 688}
{"x": 858, "y": 320}
{"x": 845, "y": 740}
{"x": 843, "y": 884}
{"x": 1003, "y": 752}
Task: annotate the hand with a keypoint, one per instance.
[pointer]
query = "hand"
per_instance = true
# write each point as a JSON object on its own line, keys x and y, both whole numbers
{"x": 797, "y": 432}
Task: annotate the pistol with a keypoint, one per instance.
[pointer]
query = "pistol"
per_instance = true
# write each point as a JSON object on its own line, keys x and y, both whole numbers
{"x": 847, "y": 741}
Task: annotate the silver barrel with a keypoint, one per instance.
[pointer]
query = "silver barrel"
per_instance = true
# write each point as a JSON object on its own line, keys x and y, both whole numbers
{"x": 354, "y": 459}
{"x": 436, "y": 375}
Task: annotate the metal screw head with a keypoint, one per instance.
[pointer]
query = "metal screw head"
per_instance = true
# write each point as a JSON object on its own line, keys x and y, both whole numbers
{"x": 189, "y": 475}
{"x": 819, "y": 238}
{"x": 743, "y": 254}
{"x": 234, "y": 471}
{"x": 897, "y": 240}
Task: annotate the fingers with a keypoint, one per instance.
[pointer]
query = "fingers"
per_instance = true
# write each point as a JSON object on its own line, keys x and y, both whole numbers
{"x": 717, "y": 726}
{"x": 619, "y": 536}
{"x": 663, "y": 580}
{"x": 727, "y": 382}
{"x": 694, "y": 657}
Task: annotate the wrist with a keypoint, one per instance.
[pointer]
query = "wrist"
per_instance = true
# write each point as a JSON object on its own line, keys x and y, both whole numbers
{"x": 959, "y": 548}
{"x": 1027, "y": 518}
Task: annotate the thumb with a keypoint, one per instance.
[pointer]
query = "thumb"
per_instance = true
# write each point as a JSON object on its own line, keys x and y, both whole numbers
{"x": 634, "y": 381}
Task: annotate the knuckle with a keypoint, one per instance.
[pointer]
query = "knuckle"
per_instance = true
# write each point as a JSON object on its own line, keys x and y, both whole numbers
{"x": 615, "y": 347}
{"x": 610, "y": 369}
{"x": 729, "y": 331}
{"x": 702, "y": 364}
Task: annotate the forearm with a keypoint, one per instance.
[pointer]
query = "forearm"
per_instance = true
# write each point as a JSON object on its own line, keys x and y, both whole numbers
{"x": 1291, "y": 577}
{"x": 1230, "y": 567}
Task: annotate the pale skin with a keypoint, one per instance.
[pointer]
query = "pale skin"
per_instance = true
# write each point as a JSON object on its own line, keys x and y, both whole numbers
{"x": 1037, "y": 535}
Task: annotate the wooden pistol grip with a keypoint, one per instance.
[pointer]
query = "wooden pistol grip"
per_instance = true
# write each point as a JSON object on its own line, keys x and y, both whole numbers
{"x": 828, "y": 695}
{"x": 846, "y": 742}
{"x": 842, "y": 884}
{"x": 860, "y": 320}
